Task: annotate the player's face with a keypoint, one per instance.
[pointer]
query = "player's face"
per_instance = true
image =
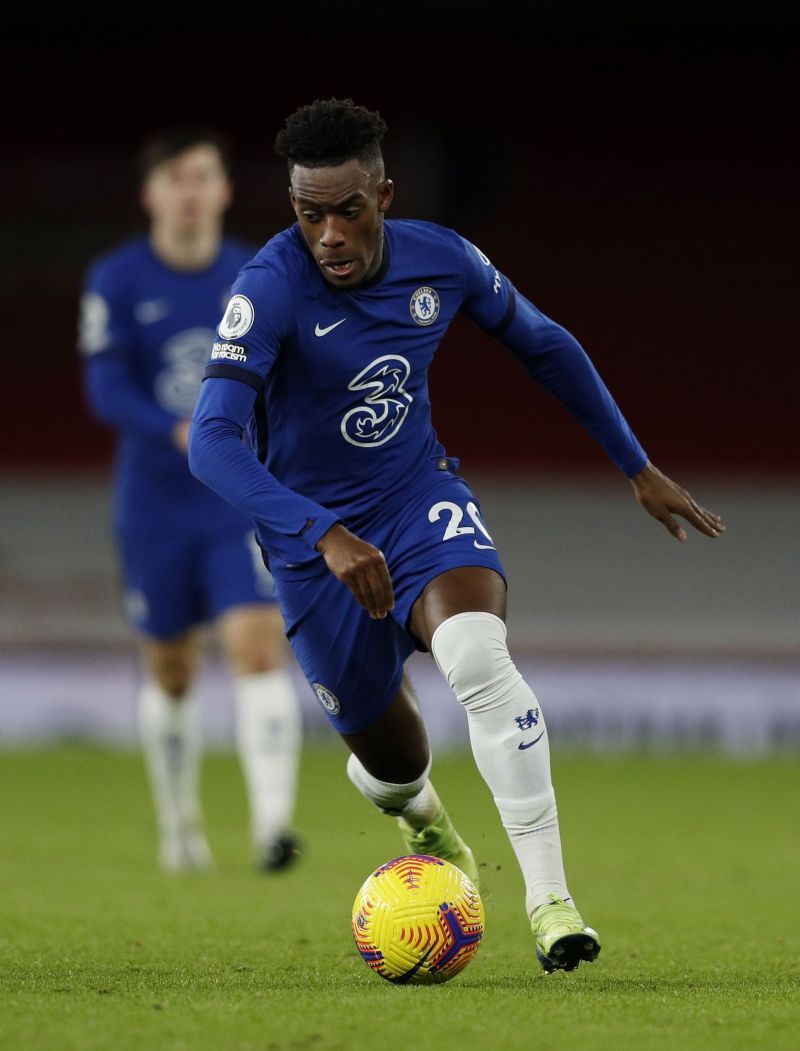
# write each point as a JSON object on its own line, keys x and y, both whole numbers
{"x": 189, "y": 192}
{"x": 340, "y": 211}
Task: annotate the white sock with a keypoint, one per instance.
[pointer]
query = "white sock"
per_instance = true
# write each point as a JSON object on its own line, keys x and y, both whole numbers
{"x": 268, "y": 736}
{"x": 171, "y": 738}
{"x": 509, "y": 742}
{"x": 416, "y": 802}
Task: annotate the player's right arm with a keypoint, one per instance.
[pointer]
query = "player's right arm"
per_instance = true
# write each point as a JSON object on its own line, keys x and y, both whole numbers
{"x": 250, "y": 336}
{"x": 361, "y": 567}
{"x": 106, "y": 339}
{"x": 299, "y": 526}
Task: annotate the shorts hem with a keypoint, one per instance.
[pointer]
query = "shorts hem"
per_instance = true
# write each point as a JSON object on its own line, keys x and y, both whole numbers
{"x": 374, "y": 717}
{"x": 437, "y": 572}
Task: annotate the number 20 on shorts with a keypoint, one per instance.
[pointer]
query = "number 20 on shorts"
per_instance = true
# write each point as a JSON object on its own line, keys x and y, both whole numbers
{"x": 454, "y": 527}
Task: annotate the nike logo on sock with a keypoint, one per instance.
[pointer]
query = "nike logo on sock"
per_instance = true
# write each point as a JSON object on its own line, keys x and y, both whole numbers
{"x": 522, "y": 746}
{"x": 324, "y": 331}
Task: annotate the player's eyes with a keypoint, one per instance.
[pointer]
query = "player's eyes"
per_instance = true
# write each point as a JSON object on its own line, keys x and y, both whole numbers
{"x": 311, "y": 217}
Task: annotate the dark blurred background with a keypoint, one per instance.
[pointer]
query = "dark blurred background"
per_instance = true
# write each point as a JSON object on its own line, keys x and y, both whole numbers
{"x": 632, "y": 168}
{"x": 634, "y": 172}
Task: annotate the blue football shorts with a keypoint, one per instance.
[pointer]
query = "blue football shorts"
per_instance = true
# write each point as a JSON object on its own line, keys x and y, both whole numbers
{"x": 354, "y": 664}
{"x": 175, "y": 579}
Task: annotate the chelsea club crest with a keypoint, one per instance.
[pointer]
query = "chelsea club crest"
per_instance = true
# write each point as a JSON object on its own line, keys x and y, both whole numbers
{"x": 328, "y": 700}
{"x": 424, "y": 305}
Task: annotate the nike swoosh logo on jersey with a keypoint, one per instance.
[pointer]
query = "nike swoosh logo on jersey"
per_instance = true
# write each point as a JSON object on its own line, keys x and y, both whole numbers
{"x": 522, "y": 746}
{"x": 151, "y": 310}
{"x": 324, "y": 331}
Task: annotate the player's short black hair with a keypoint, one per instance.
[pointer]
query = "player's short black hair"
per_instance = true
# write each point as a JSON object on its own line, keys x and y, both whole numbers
{"x": 170, "y": 143}
{"x": 329, "y": 132}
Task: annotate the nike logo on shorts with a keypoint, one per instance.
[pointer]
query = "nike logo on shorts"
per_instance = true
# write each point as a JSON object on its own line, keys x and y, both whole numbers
{"x": 522, "y": 746}
{"x": 324, "y": 331}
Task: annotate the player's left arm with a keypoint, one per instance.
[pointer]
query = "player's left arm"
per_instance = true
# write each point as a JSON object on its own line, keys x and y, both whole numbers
{"x": 553, "y": 357}
{"x": 556, "y": 360}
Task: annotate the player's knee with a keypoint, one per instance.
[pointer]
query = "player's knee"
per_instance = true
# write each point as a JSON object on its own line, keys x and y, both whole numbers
{"x": 254, "y": 660}
{"x": 471, "y": 652}
{"x": 174, "y": 673}
{"x": 175, "y": 682}
{"x": 252, "y": 641}
{"x": 172, "y": 662}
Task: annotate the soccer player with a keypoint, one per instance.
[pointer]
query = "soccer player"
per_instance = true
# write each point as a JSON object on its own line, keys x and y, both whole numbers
{"x": 148, "y": 316}
{"x": 377, "y": 546}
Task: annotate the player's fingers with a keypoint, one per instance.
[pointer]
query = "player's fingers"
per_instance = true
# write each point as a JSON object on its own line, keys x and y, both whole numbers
{"x": 711, "y": 519}
{"x": 356, "y": 580}
{"x": 362, "y": 597}
{"x": 674, "y": 527}
{"x": 368, "y": 599}
{"x": 703, "y": 520}
{"x": 704, "y": 526}
{"x": 380, "y": 587}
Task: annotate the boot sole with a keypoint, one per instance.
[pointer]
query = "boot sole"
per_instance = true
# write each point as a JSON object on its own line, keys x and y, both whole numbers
{"x": 567, "y": 952}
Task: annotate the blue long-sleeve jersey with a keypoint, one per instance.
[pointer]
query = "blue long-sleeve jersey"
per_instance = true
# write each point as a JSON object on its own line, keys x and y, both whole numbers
{"x": 333, "y": 384}
{"x": 145, "y": 335}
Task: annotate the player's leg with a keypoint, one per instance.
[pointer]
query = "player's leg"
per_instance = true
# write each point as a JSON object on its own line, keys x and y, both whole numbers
{"x": 268, "y": 727}
{"x": 355, "y": 667}
{"x": 390, "y": 764}
{"x": 163, "y": 605}
{"x": 460, "y": 617}
{"x": 170, "y": 732}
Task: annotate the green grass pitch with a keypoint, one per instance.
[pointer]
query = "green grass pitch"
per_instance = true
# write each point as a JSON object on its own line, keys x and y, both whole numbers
{"x": 689, "y": 868}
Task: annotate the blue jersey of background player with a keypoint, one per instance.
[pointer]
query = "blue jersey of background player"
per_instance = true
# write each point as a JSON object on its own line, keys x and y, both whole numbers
{"x": 148, "y": 316}
{"x": 145, "y": 333}
{"x": 323, "y": 351}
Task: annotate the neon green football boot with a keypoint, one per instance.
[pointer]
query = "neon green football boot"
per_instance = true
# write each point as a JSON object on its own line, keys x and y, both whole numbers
{"x": 562, "y": 938}
{"x": 440, "y": 840}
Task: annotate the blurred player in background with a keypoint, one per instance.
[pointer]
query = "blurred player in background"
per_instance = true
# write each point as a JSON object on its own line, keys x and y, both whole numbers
{"x": 377, "y": 545}
{"x": 148, "y": 316}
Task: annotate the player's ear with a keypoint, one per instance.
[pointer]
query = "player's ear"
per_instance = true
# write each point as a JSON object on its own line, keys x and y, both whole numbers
{"x": 385, "y": 195}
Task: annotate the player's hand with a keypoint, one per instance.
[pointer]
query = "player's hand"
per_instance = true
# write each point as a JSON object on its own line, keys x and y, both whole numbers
{"x": 361, "y": 567}
{"x": 180, "y": 435}
{"x": 663, "y": 498}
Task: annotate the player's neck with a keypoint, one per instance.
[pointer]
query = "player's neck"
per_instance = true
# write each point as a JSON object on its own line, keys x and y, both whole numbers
{"x": 186, "y": 251}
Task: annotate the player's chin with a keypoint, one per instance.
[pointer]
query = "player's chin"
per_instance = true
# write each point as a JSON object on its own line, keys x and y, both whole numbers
{"x": 191, "y": 224}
